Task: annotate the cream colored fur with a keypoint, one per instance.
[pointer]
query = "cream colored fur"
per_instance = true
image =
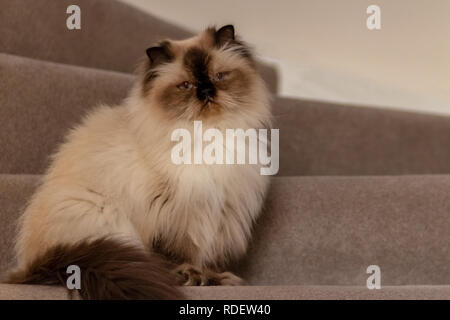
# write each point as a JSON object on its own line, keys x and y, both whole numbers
{"x": 113, "y": 177}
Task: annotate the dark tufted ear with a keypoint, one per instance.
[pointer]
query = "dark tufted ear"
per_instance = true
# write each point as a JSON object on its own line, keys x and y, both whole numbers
{"x": 224, "y": 35}
{"x": 159, "y": 54}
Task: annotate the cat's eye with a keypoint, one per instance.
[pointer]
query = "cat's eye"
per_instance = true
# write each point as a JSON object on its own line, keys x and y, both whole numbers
{"x": 220, "y": 76}
{"x": 185, "y": 85}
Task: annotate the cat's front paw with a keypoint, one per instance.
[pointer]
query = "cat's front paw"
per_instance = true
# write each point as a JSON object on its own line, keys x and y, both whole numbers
{"x": 189, "y": 275}
{"x": 224, "y": 279}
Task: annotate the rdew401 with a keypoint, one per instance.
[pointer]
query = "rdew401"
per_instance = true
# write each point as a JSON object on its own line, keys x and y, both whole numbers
{"x": 246, "y": 309}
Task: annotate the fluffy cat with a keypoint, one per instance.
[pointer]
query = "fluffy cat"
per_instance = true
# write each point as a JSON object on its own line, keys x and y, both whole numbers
{"x": 113, "y": 203}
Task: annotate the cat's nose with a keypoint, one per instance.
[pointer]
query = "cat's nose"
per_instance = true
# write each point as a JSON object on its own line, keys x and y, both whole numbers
{"x": 206, "y": 92}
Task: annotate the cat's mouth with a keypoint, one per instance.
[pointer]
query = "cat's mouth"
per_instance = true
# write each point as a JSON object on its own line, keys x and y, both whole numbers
{"x": 208, "y": 103}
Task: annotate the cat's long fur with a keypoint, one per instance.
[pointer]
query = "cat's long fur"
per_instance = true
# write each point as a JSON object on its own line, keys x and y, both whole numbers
{"x": 112, "y": 184}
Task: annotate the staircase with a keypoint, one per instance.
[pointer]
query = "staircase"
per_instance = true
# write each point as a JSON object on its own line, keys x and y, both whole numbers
{"x": 356, "y": 186}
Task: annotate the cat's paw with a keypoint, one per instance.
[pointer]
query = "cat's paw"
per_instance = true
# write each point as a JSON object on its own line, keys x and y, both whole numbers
{"x": 224, "y": 279}
{"x": 189, "y": 275}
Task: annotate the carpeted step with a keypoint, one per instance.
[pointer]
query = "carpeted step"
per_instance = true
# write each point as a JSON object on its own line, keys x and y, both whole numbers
{"x": 323, "y": 230}
{"x": 41, "y": 100}
{"x": 113, "y": 35}
{"x": 28, "y": 292}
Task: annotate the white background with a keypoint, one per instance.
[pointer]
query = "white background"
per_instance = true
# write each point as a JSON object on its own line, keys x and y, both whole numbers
{"x": 324, "y": 50}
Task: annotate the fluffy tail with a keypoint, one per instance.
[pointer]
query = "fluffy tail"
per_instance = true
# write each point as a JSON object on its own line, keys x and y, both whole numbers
{"x": 109, "y": 270}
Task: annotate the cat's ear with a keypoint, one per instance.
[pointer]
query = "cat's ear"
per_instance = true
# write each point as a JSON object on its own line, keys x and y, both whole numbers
{"x": 159, "y": 54}
{"x": 224, "y": 35}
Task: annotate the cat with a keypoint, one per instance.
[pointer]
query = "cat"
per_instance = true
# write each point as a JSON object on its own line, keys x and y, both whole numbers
{"x": 114, "y": 204}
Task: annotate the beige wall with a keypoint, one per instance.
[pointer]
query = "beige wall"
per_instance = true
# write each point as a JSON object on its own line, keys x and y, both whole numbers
{"x": 325, "y": 51}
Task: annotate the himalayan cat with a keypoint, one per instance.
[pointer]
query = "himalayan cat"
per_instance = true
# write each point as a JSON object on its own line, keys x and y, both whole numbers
{"x": 113, "y": 203}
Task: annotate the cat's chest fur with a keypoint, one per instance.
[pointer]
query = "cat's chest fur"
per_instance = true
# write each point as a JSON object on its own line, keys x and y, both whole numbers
{"x": 205, "y": 212}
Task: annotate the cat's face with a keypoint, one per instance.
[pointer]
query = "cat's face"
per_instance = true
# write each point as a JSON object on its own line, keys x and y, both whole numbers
{"x": 206, "y": 76}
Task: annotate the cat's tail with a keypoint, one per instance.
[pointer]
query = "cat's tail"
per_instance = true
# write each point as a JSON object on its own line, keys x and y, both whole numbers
{"x": 110, "y": 269}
